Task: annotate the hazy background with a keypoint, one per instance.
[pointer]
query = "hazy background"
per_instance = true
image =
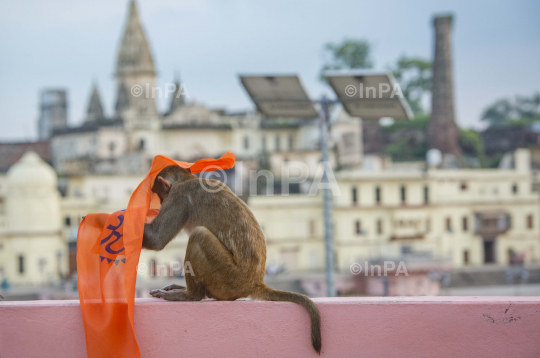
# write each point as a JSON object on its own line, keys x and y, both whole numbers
{"x": 69, "y": 43}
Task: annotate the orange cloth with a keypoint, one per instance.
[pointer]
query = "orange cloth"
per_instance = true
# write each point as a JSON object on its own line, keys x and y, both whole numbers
{"x": 108, "y": 250}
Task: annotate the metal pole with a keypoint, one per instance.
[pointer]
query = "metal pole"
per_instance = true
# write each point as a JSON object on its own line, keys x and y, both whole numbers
{"x": 327, "y": 201}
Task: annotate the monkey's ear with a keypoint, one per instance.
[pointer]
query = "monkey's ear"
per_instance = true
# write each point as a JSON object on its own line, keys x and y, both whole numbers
{"x": 166, "y": 184}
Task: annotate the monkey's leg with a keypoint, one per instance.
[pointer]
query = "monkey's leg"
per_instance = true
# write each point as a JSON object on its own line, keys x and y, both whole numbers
{"x": 209, "y": 269}
{"x": 196, "y": 255}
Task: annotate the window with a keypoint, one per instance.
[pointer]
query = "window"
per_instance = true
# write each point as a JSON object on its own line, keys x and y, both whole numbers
{"x": 530, "y": 221}
{"x": 246, "y": 142}
{"x": 358, "y": 227}
{"x": 379, "y": 226}
{"x": 426, "y": 194}
{"x": 465, "y": 257}
{"x": 21, "y": 264}
{"x": 264, "y": 143}
{"x": 141, "y": 144}
{"x": 312, "y": 229}
{"x": 68, "y": 221}
{"x": 428, "y": 225}
{"x": 464, "y": 186}
{"x": 465, "y": 224}
{"x": 448, "y": 224}
{"x": 377, "y": 195}
{"x": 278, "y": 143}
{"x": 405, "y": 250}
{"x": 354, "y": 196}
{"x": 111, "y": 147}
{"x": 291, "y": 142}
{"x": 515, "y": 189}
{"x": 403, "y": 195}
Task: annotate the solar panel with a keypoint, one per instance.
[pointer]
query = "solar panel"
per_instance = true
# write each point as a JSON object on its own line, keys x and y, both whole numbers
{"x": 369, "y": 95}
{"x": 279, "y": 96}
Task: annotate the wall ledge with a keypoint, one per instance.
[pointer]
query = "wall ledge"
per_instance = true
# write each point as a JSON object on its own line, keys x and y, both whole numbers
{"x": 351, "y": 327}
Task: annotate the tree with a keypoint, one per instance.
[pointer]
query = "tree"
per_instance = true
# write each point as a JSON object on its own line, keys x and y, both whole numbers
{"x": 499, "y": 113}
{"x": 471, "y": 144}
{"x": 414, "y": 77}
{"x": 407, "y": 140}
{"x": 349, "y": 54}
{"x": 528, "y": 108}
{"x": 504, "y": 111}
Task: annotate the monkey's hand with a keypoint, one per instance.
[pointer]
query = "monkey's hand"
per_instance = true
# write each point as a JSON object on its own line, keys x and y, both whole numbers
{"x": 167, "y": 288}
{"x": 170, "y": 295}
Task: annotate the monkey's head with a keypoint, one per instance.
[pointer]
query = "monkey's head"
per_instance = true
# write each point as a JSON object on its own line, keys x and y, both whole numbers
{"x": 167, "y": 177}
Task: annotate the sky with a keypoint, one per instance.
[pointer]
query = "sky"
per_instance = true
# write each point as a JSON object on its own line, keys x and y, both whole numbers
{"x": 70, "y": 44}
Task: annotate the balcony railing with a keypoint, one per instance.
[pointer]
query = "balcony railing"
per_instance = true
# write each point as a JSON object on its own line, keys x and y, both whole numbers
{"x": 491, "y": 223}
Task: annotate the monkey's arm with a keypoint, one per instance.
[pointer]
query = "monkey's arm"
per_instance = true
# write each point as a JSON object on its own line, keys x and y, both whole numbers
{"x": 168, "y": 223}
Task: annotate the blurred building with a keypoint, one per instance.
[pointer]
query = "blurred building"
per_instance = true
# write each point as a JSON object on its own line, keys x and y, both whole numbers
{"x": 53, "y": 112}
{"x": 460, "y": 216}
{"x": 32, "y": 247}
{"x": 126, "y": 142}
{"x": 11, "y": 152}
{"x": 457, "y": 217}
{"x": 387, "y": 277}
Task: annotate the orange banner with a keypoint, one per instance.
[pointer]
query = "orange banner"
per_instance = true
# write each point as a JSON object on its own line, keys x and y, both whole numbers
{"x": 108, "y": 250}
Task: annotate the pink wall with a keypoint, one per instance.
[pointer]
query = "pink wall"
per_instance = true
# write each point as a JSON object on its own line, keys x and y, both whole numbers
{"x": 352, "y": 327}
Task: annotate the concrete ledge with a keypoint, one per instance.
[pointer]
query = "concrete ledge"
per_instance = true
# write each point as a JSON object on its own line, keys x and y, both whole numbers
{"x": 352, "y": 327}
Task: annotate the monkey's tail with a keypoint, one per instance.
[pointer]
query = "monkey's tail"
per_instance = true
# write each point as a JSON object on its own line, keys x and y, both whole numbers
{"x": 266, "y": 293}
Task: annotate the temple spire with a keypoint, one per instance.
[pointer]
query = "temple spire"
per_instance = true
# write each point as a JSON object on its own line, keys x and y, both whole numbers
{"x": 135, "y": 76}
{"x": 134, "y": 56}
{"x": 95, "y": 109}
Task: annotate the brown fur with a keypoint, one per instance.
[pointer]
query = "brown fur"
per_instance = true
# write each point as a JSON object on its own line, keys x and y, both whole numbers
{"x": 226, "y": 250}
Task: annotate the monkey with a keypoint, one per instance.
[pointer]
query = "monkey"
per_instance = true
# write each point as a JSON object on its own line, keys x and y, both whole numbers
{"x": 226, "y": 249}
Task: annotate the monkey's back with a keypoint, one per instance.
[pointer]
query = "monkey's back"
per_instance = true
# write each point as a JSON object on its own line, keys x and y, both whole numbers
{"x": 214, "y": 206}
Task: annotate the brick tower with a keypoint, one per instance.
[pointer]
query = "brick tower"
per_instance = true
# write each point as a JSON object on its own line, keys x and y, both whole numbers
{"x": 443, "y": 131}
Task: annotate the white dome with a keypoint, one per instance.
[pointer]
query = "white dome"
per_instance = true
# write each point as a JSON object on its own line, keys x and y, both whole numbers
{"x": 32, "y": 200}
{"x": 31, "y": 172}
